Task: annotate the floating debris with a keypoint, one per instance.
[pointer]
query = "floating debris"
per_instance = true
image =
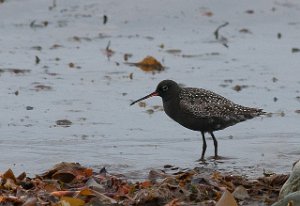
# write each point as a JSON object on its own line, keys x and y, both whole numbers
{"x": 64, "y": 123}
{"x": 148, "y": 64}
{"x": 71, "y": 65}
{"x": 38, "y": 48}
{"x": 105, "y": 19}
{"x": 56, "y": 46}
{"x": 41, "y": 87}
{"x": 14, "y": 70}
{"x": 42, "y": 24}
{"x": 274, "y": 79}
{"x": 223, "y": 40}
{"x": 208, "y": 13}
{"x": 29, "y": 108}
{"x": 239, "y": 87}
{"x": 37, "y": 60}
{"x": 53, "y": 5}
{"x": 295, "y": 50}
{"x": 245, "y": 31}
{"x": 173, "y": 51}
{"x": 279, "y": 35}
{"x": 108, "y": 52}
{"x": 249, "y": 11}
{"x": 127, "y": 56}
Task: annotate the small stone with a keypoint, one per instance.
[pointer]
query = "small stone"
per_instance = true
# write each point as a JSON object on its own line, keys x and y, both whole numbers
{"x": 241, "y": 193}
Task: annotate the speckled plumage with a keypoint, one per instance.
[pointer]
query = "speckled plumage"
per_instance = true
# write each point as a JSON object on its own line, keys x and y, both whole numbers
{"x": 219, "y": 111}
{"x": 201, "y": 110}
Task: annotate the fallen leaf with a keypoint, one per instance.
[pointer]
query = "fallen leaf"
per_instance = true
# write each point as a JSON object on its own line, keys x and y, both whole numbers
{"x": 64, "y": 176}
{"x": 148, "y": 64}
{"x": 63, "y": 193}
{"x": 227, "y": 199}
{"x": 9, "y": 174}
{"x": 145, "y": 184}
{"x": 86, "y": 192}
{"x": 70, "y": 201}
{"x": 207, "y": 13}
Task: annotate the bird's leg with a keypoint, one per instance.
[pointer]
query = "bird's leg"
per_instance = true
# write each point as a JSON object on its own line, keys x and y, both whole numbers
{"x": 215, "y": 144}
{"x": 203, "y": 147}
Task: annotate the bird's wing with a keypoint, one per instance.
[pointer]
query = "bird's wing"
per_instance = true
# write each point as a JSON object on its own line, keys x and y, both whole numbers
{"x": 203, "y": 103}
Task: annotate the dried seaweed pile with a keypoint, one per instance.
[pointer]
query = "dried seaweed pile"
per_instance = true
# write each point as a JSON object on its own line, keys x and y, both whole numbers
{"x": 74, "y": 185}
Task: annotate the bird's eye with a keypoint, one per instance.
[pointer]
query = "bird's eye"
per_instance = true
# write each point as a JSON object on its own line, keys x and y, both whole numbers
{"x": 165, "y": 88}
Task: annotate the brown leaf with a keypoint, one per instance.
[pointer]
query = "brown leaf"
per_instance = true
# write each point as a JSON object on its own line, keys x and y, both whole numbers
{"x": 70, "y": 201}
{"x": 70, "y": 170}
{"x": 64, "y": 176}
{"x": 145, "y": 184}
{"x": 227, "y": 199}
{"x": 148, "y": 64}
{"x": 63, "y": 193}
{"x": 86, "y": 192}
{"x": 22, "y": 176}
{"x": 9, "y": 174}
{"x": 207, "y": 13}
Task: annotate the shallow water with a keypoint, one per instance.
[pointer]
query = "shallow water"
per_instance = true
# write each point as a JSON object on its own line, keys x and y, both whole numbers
{"x": 95, "y": 93}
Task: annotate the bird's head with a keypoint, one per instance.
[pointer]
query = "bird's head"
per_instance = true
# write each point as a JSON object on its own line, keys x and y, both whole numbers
{"x": 166, "y": 89}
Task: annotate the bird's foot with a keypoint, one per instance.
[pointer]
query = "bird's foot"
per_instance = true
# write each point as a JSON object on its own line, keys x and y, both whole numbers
{"x": 202, "y": 160}
{"x": 217, "y": 157}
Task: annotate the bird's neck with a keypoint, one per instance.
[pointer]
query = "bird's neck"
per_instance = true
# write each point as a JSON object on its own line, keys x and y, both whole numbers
{"x": 171, "y": 105}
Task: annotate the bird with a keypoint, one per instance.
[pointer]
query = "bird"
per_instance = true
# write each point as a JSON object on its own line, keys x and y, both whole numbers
{"x": 200, "y": 110}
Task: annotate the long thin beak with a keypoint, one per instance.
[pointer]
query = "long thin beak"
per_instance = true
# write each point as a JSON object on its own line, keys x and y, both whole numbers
{"x": 146, "y": 97}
